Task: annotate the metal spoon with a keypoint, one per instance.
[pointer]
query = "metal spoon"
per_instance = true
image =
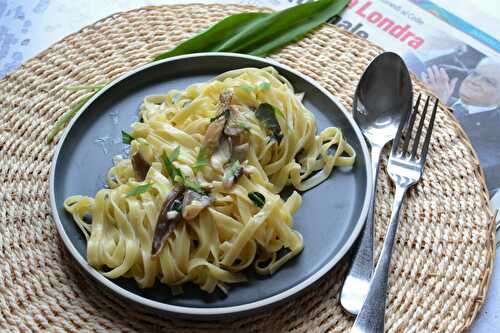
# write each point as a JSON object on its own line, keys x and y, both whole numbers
{"x": 383, "y": 96}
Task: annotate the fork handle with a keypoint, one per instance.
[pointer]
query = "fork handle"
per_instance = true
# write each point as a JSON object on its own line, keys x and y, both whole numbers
{"x": 371, "y": 317}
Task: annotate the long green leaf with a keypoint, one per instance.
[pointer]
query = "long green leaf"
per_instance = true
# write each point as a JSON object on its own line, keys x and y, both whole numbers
{"x": 90, "y": 87}
{"x": 211, "y": 39}
{"x": 66, "y": 117}
{"x": 278, "y": 29}
{"x": 290, "y": 25}
{"x": 260, "y": 33}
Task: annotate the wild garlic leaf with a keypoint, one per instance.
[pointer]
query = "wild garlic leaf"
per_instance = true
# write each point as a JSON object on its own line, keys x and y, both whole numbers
{"x": 280, "y": 28}
{"x": 175, "y": 154}
{"x": 171, "y": 169}
{"x": 247, "y": 88}
{"x": 138, "y": 190}
{"x": 193, "y": 185}
{"x": 231, "y": 171}
{"x": 201, "y": 159}
{"x": 260, "y": 33}
{"x": 127, "y": 138}
{"x": 169, "y": 165}
{"x": 243, "y": 125}
{"x": 90, "y": 87}
{"x": 222, "y": 114}
{"x": 264, "y": 85}
{"x": 279, "y": 112}
{"x": 211, "y": 39}
{"x": 189, "y": 183}
{"x": 257, "y": 198}
{"x": 266, "y": 114}
{"x": 63, "y": 120}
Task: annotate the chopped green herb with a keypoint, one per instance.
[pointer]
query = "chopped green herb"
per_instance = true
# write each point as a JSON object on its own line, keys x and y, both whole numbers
{"x": 201, "y": 159}
{"x": 225, "y": 114}
{"x": 264, "y": 85}
{"x": 127, "y": 138}
{"x": 279, "y": 112}
{"x": 243, "y": 125}
{"x": 138, "y": 190}
{"x": 257, "y": 198}
{"x": 267, "y": 115}
{"x": 247, "y": 88}
{"x": 229, "y": 173}
{"x": 171, "y": 169}
{"x": 169, "y": 165}
{"x": 193, "y": 185}
{"x": 175, "y": 153}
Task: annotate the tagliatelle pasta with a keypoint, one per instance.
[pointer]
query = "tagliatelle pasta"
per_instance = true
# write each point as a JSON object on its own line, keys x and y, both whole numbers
{"x": 198, "y": 198}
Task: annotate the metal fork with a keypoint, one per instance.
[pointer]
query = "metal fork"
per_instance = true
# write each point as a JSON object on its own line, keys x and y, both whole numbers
{"x": 405, "y": 169}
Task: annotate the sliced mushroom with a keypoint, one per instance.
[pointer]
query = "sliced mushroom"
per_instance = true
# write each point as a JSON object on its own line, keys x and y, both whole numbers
{"x": 240, "y": 152}
{"x": 167, "y": 219}
{"x": 140, "y": 166}
{"x": 225, "y": 100}
{"x": 194, "y": 203}
{"x": 232, "y": 174}
{"x": 222, "y": 154}
{"x": 216, "y": 127}
{"x": 214, "y": 132}
{"x": 240, "y": 147}
{"x": 236, "y": 122}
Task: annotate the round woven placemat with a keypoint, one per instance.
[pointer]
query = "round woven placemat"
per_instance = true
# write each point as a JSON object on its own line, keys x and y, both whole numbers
{"x": 442, "y": 260}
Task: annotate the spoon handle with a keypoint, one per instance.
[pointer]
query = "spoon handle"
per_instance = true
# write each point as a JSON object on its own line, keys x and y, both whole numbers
{"x": 357, "y": 282}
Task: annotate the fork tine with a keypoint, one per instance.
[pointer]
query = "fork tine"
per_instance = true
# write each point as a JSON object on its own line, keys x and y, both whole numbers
{"x": 425, "y": 148}
{"x": 419, "y": 130}
{"x": 397, "y": 138}
{"x": 410, "y": 126}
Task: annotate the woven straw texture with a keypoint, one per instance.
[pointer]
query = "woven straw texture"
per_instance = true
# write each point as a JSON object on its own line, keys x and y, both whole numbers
{"x": 441, "y": 263}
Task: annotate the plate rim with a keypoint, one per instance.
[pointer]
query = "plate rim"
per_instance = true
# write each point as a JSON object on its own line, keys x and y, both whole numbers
{"x": 206, "y": 313}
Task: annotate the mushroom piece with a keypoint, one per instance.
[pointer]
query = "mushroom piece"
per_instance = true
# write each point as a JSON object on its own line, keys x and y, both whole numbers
{"x": 140, "y": 166}
{"x": 225, "y": 99}
{"x": 236, "y": 124}
{"x": 239, "y": 148}
{"x": 168, "y": 218}
{"x": 222, "y": 154}
{"x": 232, "y": 174}
{"x": 240, "y": 152}
{"x": 194, "y": 203}
{"x": 216, "y": 127}
{"x": 214, "y": 132}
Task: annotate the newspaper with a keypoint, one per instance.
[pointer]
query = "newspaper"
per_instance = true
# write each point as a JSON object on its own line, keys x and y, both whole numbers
{"x": 458, "y": 61}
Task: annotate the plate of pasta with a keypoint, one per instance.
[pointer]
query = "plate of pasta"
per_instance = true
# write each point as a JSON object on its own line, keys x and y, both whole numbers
{"x": 210, "y": 185}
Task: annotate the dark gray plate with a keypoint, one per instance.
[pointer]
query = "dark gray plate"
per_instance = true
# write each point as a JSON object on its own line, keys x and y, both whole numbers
{"x": 331, "y": 216}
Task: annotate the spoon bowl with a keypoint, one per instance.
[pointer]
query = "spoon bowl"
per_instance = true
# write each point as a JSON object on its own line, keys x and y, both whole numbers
{"x": 384, "y": 91}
